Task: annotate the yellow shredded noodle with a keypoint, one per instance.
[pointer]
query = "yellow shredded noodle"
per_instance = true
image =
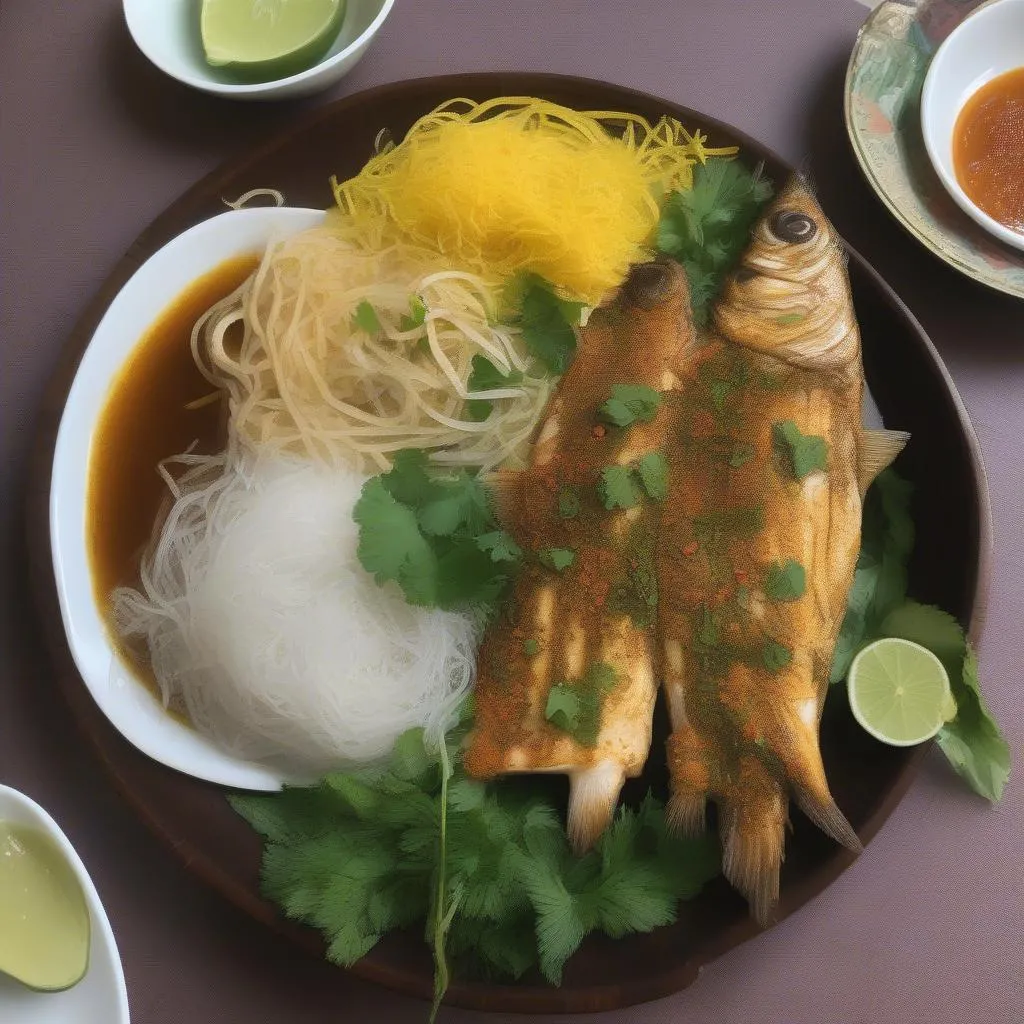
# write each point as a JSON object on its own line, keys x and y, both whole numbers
{"x": 522, "y": 185}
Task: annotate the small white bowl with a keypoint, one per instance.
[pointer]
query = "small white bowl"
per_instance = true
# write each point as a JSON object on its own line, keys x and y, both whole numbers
{"x": 126, "y": 702}
{"x": 167, "y": 32}
{"x": 100, "y": 997}
{"x": 987, "y": 43}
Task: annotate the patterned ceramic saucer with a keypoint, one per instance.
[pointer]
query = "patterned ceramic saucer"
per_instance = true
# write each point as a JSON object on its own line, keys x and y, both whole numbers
{"x": 882, "y": 108}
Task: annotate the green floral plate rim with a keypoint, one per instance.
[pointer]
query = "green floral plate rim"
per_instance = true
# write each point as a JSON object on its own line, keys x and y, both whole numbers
{"x": 882, "y": 111}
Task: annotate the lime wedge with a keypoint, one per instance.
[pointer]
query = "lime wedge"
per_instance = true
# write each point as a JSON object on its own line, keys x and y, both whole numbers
{"x": 899, "y": 692}
{"x": 261, "y": 40}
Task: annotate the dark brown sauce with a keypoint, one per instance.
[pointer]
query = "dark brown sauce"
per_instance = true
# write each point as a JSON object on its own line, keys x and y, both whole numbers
{"x": 146, "y": 419}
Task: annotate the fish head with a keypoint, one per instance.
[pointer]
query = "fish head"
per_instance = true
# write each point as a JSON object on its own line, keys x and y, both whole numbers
{"x": 789, "y": 297}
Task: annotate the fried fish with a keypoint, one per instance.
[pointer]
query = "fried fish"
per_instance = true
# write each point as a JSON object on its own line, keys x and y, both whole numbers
{"x": 758, "y": 541}
{"x": 566, "y": 675}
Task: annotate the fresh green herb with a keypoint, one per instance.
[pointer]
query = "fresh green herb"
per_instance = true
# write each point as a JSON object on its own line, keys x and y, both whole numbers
{"x": 485, "y": 376}
{"x": 531, "y": 647}
{"x": 742, "y": 453}
{"x": 708, "y": 227}
{"x": 801, "y": 453}
{"x": 709, "y": 632}
{"x": 359, "y": 854}
{"x": 972, "y": 742}
{"x": 720, "y": 391}
{"x": 775, "y": 656}
{"x": 569, "y": 501}
{"x": 575, "y": 707}
{"x": 548, "y": 324}
{"x": 785, "y": 581}
{"x": 617, "y": 488}
{"x": 629, "y": 403}
{"x": 500, "y": 546}
{"x": 366, "y": 318}
{"x": 416, "y": 317}
{"x": 558, "y": 559}
{"x": 436, "y": 537}
{"x": 652, "y": 469}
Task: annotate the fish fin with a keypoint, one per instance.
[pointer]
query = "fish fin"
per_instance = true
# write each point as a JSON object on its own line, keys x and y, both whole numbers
{"x": 753, "y": 832}
{"x": 878, "y": 449}
{"x": 506, "y": 488}
{"x": 822, "y": 810}
{"x": 686, "y": 811}
{"x": 593, "y": 796}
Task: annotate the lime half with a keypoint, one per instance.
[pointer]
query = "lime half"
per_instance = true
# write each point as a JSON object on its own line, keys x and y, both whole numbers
{"x": 261, "y": 40}
{"x": 899, "y": 692}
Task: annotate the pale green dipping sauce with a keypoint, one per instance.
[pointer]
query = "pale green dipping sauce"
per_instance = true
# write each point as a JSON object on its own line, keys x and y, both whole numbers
{"x": 44, "y": 921}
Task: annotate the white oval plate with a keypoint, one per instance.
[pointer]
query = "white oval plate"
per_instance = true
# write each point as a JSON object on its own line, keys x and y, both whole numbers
{"x": 129, "y": 705}
{"x": 101, "y": 996}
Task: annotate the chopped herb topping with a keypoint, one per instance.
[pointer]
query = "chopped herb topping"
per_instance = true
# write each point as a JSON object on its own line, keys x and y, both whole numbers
{"x": 652, "y": 470}
{"x": 416, "y": 316}
{"x": 531, "y": 647}
{"x": 500, "y": 546}
{"x": 742, "y": 453}
{"x": 484, "y": 376}
{"x": 800, "y": 453}
{"x": 785, "y": 581}
{"x": 366, "y": 318}
{"x": 547, "y": 324}
{"x": 720, "y": 390}
{"x": 558, "y": 559}
{"x": 569, "y": 503}
{"x": 617, "y": 488}
{"x": 575, "y": 707}
{"x": 775, "y": 656}
{"x": 629, "y": 403}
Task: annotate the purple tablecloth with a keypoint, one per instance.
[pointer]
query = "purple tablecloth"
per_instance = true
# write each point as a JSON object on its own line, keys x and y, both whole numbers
{"x": 928, "y": 925}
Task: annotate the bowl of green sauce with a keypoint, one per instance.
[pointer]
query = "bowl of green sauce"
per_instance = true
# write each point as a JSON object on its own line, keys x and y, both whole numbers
{"x": 58, "y": 958}
{"x": 255, "y": 49}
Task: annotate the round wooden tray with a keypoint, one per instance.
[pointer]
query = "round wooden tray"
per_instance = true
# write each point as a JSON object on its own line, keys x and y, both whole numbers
{"x": 950, "y": 568}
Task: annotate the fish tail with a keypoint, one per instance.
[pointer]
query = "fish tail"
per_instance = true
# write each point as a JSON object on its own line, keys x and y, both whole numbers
{"x": 593, "y": 796}
{"x": 686, "y": 811}
{"x": 819, "y": 806}
{"x": 753, "y": 826}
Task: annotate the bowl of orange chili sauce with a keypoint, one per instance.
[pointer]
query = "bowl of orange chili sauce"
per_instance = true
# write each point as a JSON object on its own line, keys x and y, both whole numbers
{"x": 972, "y": 118}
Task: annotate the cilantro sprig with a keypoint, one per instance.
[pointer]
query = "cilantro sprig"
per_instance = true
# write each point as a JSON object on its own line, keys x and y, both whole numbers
{"x": 548, "y": 323}
{"x": 630, "y": 403}
{"x": 435, "y": 536}
{"x": 488, "y": 868}
{"x": 707, "y": 227}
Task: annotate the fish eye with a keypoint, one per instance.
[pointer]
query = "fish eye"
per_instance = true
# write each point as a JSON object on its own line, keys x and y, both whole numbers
{"x": 792, "y": 226}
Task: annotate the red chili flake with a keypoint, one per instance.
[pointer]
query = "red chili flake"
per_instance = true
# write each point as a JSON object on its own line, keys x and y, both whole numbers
{"x": 741, "y": 575}
{"x": 598, "y": 430}
{"x": 691, "y": 549}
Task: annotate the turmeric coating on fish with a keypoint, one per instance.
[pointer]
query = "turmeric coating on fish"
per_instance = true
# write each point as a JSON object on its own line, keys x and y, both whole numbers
{"x": 758, "y": 542}
{"x": 747, "y": 562}
{"x": 580, "y": 637}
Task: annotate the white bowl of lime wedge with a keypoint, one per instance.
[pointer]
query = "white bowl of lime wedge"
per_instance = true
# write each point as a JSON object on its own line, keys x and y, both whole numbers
{"x": 255, "y": 49}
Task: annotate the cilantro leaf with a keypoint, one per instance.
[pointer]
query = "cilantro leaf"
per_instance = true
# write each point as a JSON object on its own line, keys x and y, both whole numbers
{"x": 547, "y": 324}
{"x": 558, "y": 559}
{"x": 569, "y": 501}
{"x": 785, "y": 581}
{"x": 707, "y": 227}
{"x": 563, "y": 707}
{"x": 972, "y": 742}
{"x": 391, "y": 545}
{"x": 366, "y": 318}
{"x": 652, "y": 469}
{"x": 500, "y": 546}
{"x": 531, "y": 647}
{"x": 801, "y": 454}
{"x": 775, "y": 656}
{"x": 629, "y": 403}
{"x": 930, "y": 627}
{"x": 617, "y": 488}
{"x": 434, "y": 536}
{"x": 720, "y": 391}
{"x": 485, "y": 376}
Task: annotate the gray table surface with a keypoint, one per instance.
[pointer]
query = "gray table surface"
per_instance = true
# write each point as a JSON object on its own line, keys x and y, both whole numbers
{"x": 928, "y": 925}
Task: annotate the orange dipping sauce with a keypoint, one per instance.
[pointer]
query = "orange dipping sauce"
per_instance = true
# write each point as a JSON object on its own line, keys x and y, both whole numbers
{"x": 988, "y": 149}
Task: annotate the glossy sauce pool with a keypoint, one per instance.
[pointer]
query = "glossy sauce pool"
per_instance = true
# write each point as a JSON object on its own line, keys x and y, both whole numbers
{"x": 988, "y": 149}
{"x": 155, "y": 409}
